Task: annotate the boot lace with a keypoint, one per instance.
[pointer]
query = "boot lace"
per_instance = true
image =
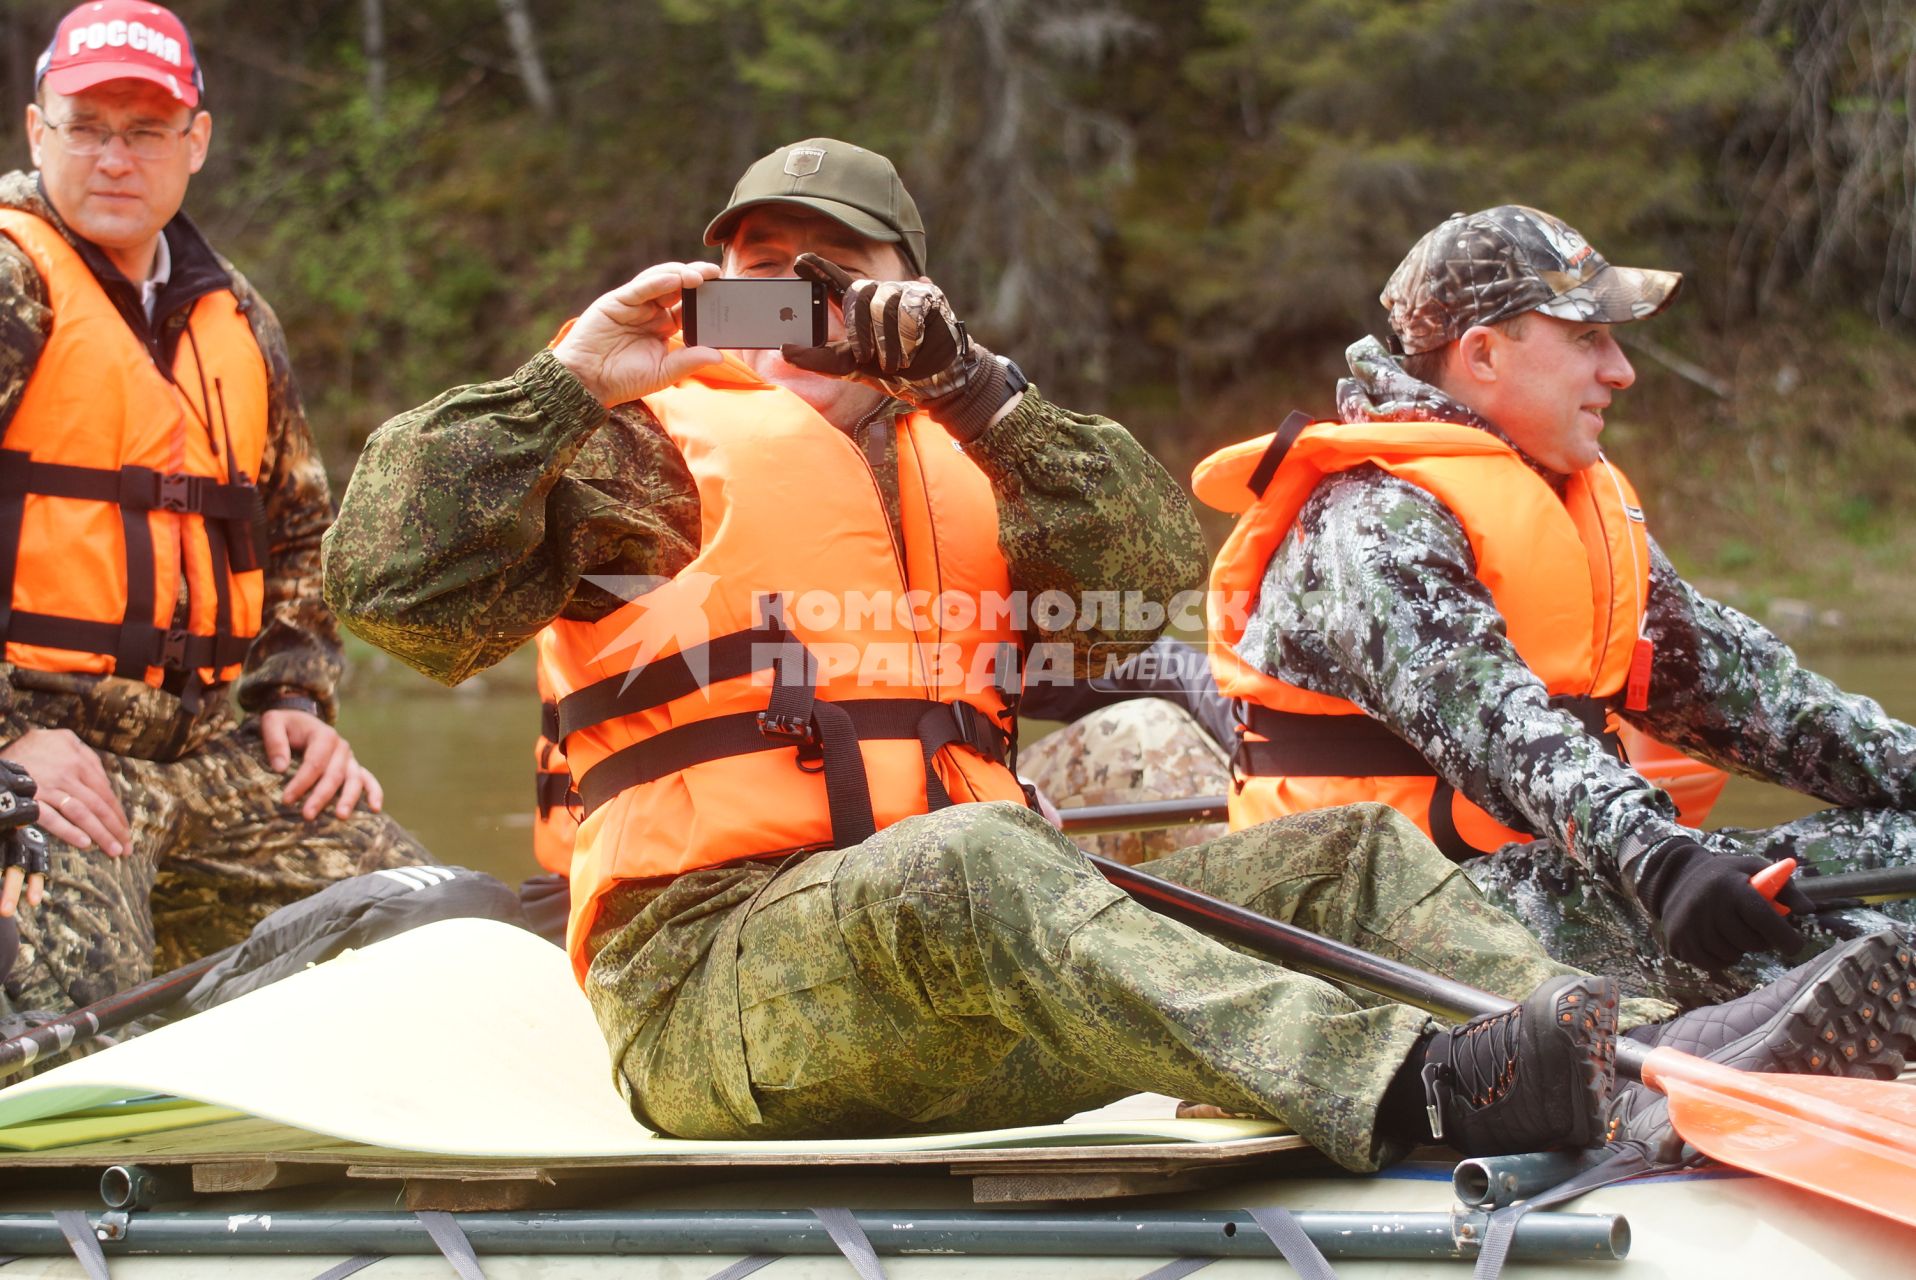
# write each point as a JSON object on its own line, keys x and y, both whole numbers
{"x": 1481, "y": 1066}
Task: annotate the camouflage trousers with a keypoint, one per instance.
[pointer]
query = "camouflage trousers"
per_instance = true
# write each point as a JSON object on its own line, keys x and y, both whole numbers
{"x": 213, "y": 851}
{"x": 1587, "y": 922}
{"x": 967, "y": 969}
{"x": 1144, "y": 749}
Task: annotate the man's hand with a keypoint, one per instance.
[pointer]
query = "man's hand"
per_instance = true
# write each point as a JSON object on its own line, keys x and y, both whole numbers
{"x": 621, "y": 347}
{"x": 23, "y": 848}
{"x": 900, "y": 336}
{"x": 76, "y": 799}
{"x": 326, "y": 767}
{"x": 1711, "y": 914}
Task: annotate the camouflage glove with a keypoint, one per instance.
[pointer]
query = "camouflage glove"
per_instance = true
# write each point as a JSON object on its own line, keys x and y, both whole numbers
{"x": 1711, "y": 915}
{"x": 23, "y": 847}
{"x": 901, "y": 337}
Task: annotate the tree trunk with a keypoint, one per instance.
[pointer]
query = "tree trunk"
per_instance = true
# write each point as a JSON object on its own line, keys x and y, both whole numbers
{"x": 525, "y": 47}
{"x": 373, "y": 40}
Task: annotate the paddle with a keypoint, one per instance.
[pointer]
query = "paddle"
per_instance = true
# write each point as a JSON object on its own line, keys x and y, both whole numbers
{"x": 57, "y": 1036}
{"x": 1851, "y": 1140}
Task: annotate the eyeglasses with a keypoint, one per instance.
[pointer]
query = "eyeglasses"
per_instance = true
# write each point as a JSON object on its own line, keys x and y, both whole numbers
{"x": 146, "y": 143}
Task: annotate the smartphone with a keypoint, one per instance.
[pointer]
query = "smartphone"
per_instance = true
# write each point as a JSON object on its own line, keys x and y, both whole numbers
{"x": 751, "y": 313}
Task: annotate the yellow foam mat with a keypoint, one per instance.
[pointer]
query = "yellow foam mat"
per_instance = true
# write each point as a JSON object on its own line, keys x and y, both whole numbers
{"x": 465, "y": 1037}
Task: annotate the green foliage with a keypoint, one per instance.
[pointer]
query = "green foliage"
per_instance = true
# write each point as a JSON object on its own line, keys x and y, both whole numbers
{"x": 1176, "y": 212}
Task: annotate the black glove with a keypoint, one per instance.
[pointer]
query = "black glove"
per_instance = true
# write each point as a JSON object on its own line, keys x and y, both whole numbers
{"x": 21, "y": 844}
{"x": 901, "y": 337}
{"x": 1711, "y": 916}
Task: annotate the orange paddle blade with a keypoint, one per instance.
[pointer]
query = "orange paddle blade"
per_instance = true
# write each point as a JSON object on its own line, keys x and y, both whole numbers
{"x": 1851, "y": 1140}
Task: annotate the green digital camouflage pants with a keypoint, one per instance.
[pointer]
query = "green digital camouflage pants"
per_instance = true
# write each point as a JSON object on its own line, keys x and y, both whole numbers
{"x": 212, "y": 852}
{"x": 969, "y": 969}
{"x": 1150, "y": 749}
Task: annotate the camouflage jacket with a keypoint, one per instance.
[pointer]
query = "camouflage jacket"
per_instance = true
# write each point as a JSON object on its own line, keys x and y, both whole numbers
{"x": 297, "y": 650}
{"x": 1373, "y": 598}
{"x": 472, "y": 520}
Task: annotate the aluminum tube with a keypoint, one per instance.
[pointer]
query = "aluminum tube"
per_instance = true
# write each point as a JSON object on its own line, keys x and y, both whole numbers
{"x": 1541, "y": 1237}
{"x": 138, "y": 1186}
{"x": 1491, "y": 1182}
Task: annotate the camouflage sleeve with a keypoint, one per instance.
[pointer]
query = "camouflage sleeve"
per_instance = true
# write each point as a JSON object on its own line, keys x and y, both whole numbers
{"x": 1726, "y": 690}
{"x": 1085, "y": 511}
{"x": 297, "y": 649}
{"x": 25, "y": 322}
{"x": 1378, "y": 603}
{"x": 470, "y": 520}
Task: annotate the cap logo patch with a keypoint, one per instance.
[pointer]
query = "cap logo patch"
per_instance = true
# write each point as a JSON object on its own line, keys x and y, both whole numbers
{"x": 803, "y": 162}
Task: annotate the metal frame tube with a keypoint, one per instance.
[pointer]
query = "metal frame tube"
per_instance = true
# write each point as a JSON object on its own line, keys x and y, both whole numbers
{"x": 1541, "y": 1237}
{"x": 1491, "y": 1182}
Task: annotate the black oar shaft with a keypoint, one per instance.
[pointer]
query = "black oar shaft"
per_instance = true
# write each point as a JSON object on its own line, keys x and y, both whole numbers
{"x": 1145, "y": 815}
{"x": 50, "y": 1039}
{"x": 1881, "y": 884}
{"x": 1300, "y": 949}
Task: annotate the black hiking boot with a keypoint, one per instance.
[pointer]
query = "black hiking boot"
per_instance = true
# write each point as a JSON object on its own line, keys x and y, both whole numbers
{"x": 1849, "y": 1012}
{"x": 1534, "y": 1077}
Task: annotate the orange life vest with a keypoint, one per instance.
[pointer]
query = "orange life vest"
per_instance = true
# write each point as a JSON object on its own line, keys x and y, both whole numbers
{"x": 806, "y": 680}
{"x": 1569, "y": 574}
{"x": 554, "y": 824}
{"x": 118, "y": 481}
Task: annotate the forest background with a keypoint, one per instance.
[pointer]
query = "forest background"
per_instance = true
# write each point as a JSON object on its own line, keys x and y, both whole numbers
{"x": 1177, "y": 212}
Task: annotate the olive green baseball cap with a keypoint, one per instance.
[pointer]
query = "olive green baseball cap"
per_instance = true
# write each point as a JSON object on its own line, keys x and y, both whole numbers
{"x": 848, "y": 184}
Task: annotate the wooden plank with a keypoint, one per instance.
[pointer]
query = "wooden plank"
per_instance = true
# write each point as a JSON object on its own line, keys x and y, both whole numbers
{"x": 1060, "y": 1185}
{"x": 218, "y": 1176}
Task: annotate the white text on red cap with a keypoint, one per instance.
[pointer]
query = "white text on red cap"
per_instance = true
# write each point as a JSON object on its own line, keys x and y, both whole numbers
{"x": 119, "y": 34}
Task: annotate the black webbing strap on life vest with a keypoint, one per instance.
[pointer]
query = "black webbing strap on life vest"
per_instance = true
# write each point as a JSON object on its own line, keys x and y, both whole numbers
{"x": 230, "y": 510}
{"x": 1281, "y": 441}
{"x": 552, "y": 789}
{"x": 672, "y": 676}
{"x": 746, "y": 732}
{"x": 1299, "y": 745}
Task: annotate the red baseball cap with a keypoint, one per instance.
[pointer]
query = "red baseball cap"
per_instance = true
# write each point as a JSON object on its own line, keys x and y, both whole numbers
{"x": 121, "y": 40}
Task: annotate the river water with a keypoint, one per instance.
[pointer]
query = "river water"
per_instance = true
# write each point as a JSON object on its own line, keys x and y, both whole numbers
{"x": 457, "y": 764}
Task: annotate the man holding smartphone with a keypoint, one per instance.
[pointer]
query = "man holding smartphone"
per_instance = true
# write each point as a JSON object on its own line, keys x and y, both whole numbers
{"x": 783, "y": 596}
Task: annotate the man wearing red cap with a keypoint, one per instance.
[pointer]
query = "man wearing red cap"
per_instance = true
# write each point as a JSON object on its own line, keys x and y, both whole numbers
{"x": 161, "y": 508}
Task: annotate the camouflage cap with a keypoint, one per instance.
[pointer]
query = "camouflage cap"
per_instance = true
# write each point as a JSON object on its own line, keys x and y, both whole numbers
{"x": 848, "y": 184}
{"x": 1484, "y": 267}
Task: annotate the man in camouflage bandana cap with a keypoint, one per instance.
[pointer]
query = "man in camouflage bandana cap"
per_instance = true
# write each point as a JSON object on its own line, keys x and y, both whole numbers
{"x": 1373, "y": 597}
{"x": 963, "y": 967}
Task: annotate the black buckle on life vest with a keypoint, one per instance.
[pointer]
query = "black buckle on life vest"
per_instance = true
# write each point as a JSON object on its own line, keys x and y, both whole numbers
{"x": 176, "y": 492}
{"x": 799, "y": 731}
{"x": 173, "y": 650}
{"x": 976, "y": 731}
